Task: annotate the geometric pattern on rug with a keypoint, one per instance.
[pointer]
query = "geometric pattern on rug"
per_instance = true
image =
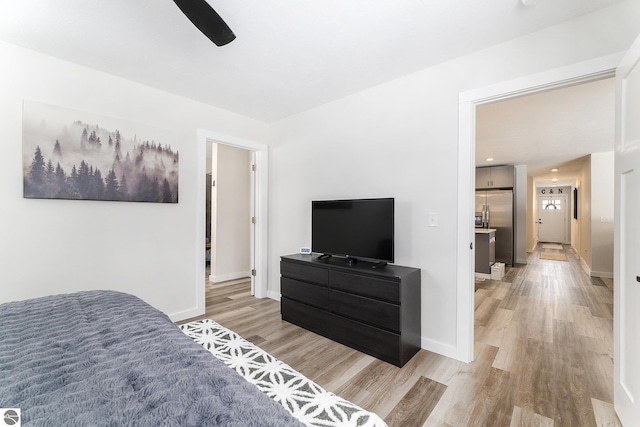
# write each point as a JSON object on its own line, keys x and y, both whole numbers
{"x": 554, "y": 257}
{"x": 303, "y": 398}
{"x": 551, "y": 246}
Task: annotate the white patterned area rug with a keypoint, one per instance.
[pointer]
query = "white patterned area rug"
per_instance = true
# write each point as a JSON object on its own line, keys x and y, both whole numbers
{"x": 303, "y": 398}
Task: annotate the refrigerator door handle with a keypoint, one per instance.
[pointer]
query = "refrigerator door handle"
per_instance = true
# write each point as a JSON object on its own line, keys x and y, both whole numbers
{"x": 487, "y": 215}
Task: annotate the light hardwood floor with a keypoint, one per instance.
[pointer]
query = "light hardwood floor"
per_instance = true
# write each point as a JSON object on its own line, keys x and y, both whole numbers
{"x": 543, "y": 353}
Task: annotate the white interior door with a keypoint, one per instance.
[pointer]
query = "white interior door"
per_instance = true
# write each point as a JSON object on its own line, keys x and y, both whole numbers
{"x": 627, "y": 240}
{"x": 552, "y": 218}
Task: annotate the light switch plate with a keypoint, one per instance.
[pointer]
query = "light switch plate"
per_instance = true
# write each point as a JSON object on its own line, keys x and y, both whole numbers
{"x": 433, "y": 219}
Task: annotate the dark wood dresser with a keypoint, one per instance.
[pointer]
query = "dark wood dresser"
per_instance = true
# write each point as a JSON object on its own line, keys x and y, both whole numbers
{"x": 376, "y": 311}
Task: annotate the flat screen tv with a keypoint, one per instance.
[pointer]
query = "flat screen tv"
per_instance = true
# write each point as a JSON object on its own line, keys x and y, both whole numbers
{"x": 357, "y": 228}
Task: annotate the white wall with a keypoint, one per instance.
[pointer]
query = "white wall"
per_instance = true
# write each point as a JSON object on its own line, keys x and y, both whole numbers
{"x": 58, "y": 246}
{"x": 231, "y": 257}
{"x": 400, "y": 140}
{"x": 602, "y": 206}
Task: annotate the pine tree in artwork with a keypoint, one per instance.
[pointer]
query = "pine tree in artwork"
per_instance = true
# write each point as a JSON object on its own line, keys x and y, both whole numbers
{"x": 142, "y": 192}
{"x": 154, "y": 190}
{"x": 50, "y": 188}
{"x": 37, "y": 168}
{"x": 117, "y": 147}
{"x": 84, "y": 139}
{"x": 61, "y": 182}
{"x": 57, "y": 150}
{"x": 111, "y": 186}
{"x": 124, "y": 188}
{"x": 167, "y": 196}
{"x": 96, "y": 185}
{"x": 82, "y": 181}
{"x": 72, "y": 184}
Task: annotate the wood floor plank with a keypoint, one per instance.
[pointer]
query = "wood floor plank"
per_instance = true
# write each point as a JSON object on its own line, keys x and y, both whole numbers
{"x": 605, "y": 414}
{"x": 417, "y": 404}
{"x": 525, "y": 418}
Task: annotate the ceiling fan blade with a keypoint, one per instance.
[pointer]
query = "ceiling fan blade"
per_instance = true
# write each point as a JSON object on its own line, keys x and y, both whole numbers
{"x": 207, "y": 20}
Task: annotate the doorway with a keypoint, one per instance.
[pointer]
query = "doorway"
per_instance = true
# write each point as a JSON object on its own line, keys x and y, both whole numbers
{"x": 261, "y": 160}
{"x": 468, "y": 101}
{"x": 230, "y": 207}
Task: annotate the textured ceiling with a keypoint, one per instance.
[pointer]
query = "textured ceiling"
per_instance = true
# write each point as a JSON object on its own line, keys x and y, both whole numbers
{"x": 289, "y": 56}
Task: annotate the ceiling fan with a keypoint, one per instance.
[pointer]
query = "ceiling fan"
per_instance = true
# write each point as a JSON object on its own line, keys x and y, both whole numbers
{"x": 207, "y": 20}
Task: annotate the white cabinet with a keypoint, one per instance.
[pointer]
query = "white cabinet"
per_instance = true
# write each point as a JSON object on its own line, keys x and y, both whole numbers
{"x": 495, "y": 177}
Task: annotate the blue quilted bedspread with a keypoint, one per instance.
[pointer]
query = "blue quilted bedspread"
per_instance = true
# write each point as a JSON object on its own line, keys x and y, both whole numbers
{"x": 103, "y": 358}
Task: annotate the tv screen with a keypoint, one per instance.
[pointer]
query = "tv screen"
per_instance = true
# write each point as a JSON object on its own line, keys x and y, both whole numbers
{"x": 360, "y": 228}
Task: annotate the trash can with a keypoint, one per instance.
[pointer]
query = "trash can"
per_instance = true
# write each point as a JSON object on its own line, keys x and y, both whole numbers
{"x": 497, "y": 271}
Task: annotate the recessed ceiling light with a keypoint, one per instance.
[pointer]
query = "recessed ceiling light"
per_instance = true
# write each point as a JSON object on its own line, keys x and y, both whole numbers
{"x": 555, "y": 180}
{"x": 489, "y": 159}
{"x": 554, "y": 170}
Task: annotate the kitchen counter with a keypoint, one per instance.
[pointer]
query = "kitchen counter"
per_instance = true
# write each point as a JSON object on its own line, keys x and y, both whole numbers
{"x": 485, "y": 250}
{"x": 485, "y": 230}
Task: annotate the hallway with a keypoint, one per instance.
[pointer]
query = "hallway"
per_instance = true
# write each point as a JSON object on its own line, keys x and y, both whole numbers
{"x": 549, "y": 326}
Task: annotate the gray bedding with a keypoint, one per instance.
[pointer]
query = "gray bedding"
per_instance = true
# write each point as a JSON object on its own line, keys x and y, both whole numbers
{"x": 103, "y": 358}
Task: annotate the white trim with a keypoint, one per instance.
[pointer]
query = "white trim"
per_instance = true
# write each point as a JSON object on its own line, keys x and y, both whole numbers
{"x": 261, "y": 151}
{"x": 230, "y": 276}
{"x": 585, "y": 267}
{"x": 602, "y": 274}
{"x": 274, "y": 295}
{"x": 439, "y": 348}
{"x": 581, "y": 72}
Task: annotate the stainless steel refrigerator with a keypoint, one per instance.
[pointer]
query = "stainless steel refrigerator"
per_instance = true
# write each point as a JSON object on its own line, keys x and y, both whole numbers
{"x": 496, "y": 208}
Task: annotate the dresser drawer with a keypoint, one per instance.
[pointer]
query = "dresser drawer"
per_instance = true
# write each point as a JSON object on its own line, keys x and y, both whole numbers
{"x": 369, "y": 339}
{"x": 303, "y": 315}
{"x": 367, "y": 310}
{"x": 306, "y": 273}
{"x": 387, "y": 290}
{"x": 317, "y": 296}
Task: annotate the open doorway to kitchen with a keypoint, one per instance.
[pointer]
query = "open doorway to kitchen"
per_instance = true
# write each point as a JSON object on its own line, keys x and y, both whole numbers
{"x": 564, "y": 77}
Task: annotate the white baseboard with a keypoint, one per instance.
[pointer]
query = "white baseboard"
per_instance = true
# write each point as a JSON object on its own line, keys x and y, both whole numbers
{"x": 273, "y": 295}
{"x": 230, "y": 276}
{"x": 443, "y": 349}
{"x": 602, "y": 274}
{"x": 187, "y": 314}
{"x": 585, "y": 267}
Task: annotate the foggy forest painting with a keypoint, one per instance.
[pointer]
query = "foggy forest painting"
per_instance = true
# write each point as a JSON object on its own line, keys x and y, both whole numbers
{"x": 75, "y": 155}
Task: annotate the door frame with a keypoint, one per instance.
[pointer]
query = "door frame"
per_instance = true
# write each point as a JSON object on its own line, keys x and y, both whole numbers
{"x": 582, "y": 72}
{"x": 261, "y": 157}
{"x": 625, "y": 373}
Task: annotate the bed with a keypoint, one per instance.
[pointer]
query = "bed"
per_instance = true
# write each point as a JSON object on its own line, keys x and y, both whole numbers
{"x": 107, "y": 358}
